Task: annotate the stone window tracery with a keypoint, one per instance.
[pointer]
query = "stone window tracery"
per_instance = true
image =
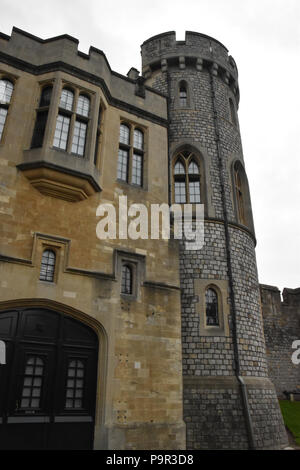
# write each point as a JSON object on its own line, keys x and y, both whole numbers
{"x": 186, "y": 178}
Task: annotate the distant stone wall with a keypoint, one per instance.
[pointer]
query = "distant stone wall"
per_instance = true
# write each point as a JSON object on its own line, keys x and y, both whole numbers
{"x": 282, "y": 327}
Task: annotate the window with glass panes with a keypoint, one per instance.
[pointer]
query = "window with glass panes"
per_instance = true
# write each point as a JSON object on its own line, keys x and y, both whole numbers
{"x": 66, "y": 125}
{"x": 211, "y": 306}
{"x": 6, "y": 90}
{"x": 47, "y": 266}
{"x": 130, "y": 155}
{"x": 63, "y": 119}
{"x": 80, "y": 125}
{"x": 186, "y": 177}
{"x": 126, "y": 281}
{"x": 75, "y": 384}
{"x": 32, "y": 383}
{"x": 183, "y": 94}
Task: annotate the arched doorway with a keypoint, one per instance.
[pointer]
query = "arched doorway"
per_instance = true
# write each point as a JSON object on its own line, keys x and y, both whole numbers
{"x": 48, "y": 384}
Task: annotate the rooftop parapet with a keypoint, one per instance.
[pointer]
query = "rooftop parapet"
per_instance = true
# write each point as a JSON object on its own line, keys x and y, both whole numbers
{"x": 291, "y": 296}
{"x": 196, "y": 46}
{"x": 35, "y": 55}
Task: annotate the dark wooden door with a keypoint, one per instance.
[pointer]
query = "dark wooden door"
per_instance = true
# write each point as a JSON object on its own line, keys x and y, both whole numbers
{"x": 48, "y": 384}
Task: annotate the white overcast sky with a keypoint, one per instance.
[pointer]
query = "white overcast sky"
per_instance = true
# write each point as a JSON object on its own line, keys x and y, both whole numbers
{"x": 263, "y": 36}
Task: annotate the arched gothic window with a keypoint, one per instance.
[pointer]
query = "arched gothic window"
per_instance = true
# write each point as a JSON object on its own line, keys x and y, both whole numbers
{"x": 211, "y": 307}
{"x": 6, "y": 89}
{"x": 239, "y": 191}
{"x": 186, "y": 176}
{"x": 241, "y": 196}
{"x": 47, "y": 266}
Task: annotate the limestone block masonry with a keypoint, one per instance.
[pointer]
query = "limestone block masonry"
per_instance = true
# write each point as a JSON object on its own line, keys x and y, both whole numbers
{"x": 229, "y": 401}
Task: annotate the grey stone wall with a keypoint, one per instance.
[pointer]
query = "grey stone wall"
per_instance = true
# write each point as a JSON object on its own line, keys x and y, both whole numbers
{"x": 214, "y": 408}
{"x": 249, "y": 322}
{"x": 281, "y": 327}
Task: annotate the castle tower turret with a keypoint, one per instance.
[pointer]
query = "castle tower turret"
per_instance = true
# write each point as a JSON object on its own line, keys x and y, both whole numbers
{"x": 229, "y": 401}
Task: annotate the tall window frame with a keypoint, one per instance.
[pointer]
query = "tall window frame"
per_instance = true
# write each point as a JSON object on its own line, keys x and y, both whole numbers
{"x": 33, "y": 382}
{"x": 131, "y": 154}
{"x": 241, "y": 195}
{"x": 212, "y": 307}
{"x": 99, "y": 133}
{"x": 42, "y": 112}
{"x": 6, "y": 92}
{"x": 239, "y": 192}
{"x": 220, "y": 325}
{"x": 183, "y": 94}
{"x": 187, "y": 176}
{"x": 72, "y": 121}
{"x": 127, "y": 279}
{"x": 232, "y": 111}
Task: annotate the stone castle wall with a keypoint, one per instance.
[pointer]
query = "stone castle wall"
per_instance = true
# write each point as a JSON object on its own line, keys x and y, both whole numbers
{"x": 281, "y": 328}
{"x": 213, "y": 359}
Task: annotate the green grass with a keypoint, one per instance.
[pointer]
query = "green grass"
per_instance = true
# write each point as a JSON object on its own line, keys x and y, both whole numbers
{"x": 291, "y": 415}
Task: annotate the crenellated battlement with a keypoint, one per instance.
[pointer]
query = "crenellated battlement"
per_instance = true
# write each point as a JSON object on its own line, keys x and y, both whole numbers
{"x": 37, "y": 51}
{"x": 35, "y": 55}
{"x": 198, "y": 50}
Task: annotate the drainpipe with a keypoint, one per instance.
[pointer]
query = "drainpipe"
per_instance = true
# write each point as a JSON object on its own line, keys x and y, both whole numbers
{"x": 243, "y": 388}
{"x": 168, "y": 134}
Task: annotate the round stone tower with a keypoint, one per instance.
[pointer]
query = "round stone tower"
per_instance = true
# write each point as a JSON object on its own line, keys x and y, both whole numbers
{"x": 229, "y": 401}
